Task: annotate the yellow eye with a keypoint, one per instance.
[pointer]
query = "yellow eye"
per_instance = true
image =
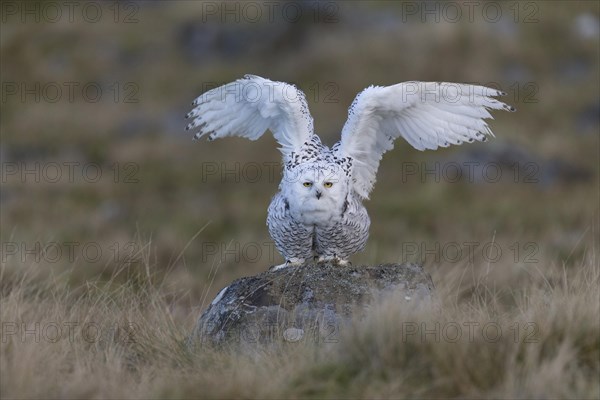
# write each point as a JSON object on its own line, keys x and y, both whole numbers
{"x": 307, "y": 184}
{"x": 328, "y": 184}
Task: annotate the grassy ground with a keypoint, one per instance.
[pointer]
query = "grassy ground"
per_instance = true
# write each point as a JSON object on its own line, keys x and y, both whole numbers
{"x": 518, "y": 333}
{"x": 126, "y": 261}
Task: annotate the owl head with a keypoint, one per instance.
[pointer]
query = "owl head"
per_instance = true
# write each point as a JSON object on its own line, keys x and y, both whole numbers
{"x": 316, "y": 186}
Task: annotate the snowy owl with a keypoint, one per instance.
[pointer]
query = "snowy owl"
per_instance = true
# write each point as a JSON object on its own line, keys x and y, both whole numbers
{"x": 318, "y": 212}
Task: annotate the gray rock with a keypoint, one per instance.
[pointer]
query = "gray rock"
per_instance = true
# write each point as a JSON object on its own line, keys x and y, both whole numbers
{"x": 307, "y": 303}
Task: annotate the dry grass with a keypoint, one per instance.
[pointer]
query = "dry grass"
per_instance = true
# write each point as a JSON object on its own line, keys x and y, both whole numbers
{"x": 533, "y": 334}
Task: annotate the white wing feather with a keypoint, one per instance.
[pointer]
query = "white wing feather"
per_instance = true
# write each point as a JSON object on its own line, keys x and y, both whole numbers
{"x": 248, "y": 107}
{"x": 427, "y": 115}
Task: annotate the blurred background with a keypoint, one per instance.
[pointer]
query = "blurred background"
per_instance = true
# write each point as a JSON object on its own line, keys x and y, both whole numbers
{"x": 99, "y": 176}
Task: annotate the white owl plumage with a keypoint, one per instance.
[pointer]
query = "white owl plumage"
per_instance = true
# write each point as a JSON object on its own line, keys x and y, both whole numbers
{"x": 318, "y": 211}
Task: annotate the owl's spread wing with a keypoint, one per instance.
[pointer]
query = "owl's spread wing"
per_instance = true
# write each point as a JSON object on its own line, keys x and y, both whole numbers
{"x": 248, "y": 107}
{"x": 427, "y": 115}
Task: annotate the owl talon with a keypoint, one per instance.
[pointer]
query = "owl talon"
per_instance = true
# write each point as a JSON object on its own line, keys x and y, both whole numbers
{"x": 292, "y": 262}
{"x": 333, "y": 260}
{"x": 278, "y": 267}
{"x": 324, "y": 259}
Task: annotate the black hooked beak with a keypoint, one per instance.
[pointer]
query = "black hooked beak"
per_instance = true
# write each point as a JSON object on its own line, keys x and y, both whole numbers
{"x": 319, "y": 195}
